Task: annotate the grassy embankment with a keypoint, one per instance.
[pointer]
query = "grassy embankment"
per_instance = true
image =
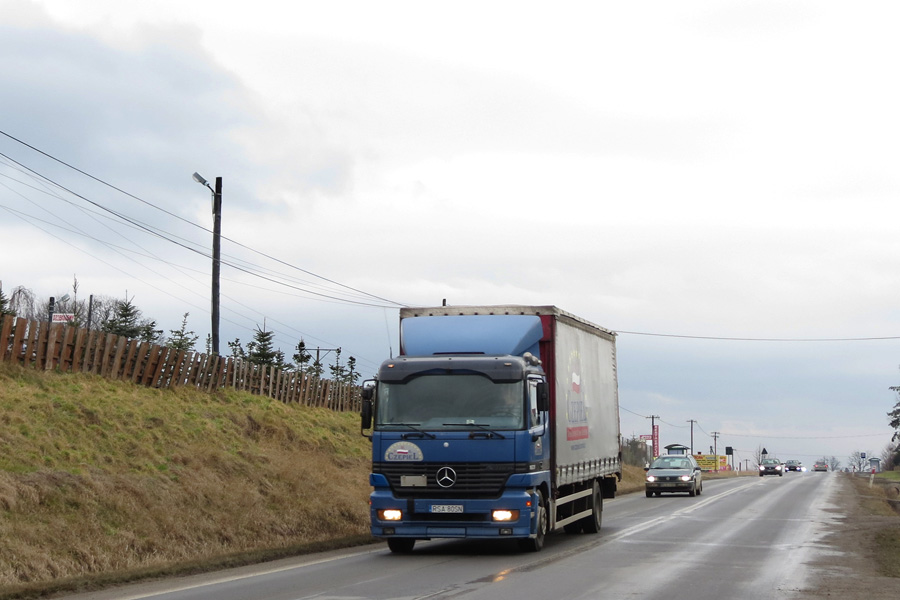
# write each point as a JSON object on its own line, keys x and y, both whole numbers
{"x": 883, "y": 499}
{"x": 103, "y": 481}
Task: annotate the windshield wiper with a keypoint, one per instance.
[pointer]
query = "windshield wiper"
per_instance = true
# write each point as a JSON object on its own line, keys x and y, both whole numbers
{"x": 479, "y": 425}
{"x": 414, "y": 427}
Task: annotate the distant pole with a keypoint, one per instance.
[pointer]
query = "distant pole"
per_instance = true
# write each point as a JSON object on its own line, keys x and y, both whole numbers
{"x": 715, "y": 437}
{"x": 90, "y": 310}
{"x": 692, "y": 421}
{"x": 217, "y": 242}
{"x": 50, "y": 312}
{"x": 653, "y": 437}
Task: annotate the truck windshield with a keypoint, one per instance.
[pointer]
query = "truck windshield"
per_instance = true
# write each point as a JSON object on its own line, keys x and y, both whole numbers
{"x": 450, "y": 402}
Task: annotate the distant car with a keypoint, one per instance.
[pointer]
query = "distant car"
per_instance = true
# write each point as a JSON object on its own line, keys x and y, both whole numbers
{"x": 676, "y": 473}
{"x": 771, "y": 466}
{"x": 793, "y": 465}
{"x": 820, "y": 465}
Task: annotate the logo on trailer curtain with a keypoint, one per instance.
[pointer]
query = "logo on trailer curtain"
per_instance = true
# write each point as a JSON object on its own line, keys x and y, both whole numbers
{"x": 576, "y": 413}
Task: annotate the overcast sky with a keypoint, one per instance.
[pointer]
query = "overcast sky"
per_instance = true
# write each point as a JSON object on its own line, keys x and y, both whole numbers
{"x": 690, "y": 170}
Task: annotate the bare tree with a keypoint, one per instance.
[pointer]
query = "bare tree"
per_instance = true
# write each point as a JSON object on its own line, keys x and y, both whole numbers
{"x": 23, "y": 303}
{"x": 890, "y": 456}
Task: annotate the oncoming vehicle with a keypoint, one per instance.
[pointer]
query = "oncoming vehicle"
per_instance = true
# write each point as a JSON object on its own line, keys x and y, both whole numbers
{"x": 770, "y": 466}
{"x": 793, "y": 465}
{"x": 820, "y": 465}
{"x": 676, "y": 473}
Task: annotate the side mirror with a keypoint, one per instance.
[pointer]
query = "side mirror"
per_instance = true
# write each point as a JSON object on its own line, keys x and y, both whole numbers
{"x": 366, "y": 414}
{"x": 543, "y": 397}
{"x": 368, "y": 395}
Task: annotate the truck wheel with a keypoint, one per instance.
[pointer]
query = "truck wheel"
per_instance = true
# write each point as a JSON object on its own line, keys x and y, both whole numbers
{"x": 537, "y": 542}
{"x": 401, "y": 545}
{"x": 592, "y": 523}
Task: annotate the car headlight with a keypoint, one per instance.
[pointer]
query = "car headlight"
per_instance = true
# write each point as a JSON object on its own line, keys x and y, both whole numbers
{"x": 778, "y": 468}
{"x": 651, "y": 478}
{"x": 762, "y": 468}
{"x": 685, "y": 478}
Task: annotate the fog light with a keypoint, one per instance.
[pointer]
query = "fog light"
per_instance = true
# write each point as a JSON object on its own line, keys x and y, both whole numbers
{"x": 505, "y": 531}
{"x": 505, "y": 515}
{"x": 390, "y": 514}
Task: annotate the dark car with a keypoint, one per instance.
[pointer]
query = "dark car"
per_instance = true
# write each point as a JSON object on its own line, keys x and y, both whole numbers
{"x": 771, "y": 466}
{"x": 676, "y": 473}
{"x": 793, "y": 465}
{"x": 820, "y": 465}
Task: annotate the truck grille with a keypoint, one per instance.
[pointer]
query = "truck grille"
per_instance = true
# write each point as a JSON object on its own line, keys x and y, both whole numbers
{"x": 484, "y": 480}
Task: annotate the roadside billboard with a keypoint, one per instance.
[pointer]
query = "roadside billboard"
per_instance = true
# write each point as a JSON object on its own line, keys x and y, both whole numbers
{"x": 712, "y": 462}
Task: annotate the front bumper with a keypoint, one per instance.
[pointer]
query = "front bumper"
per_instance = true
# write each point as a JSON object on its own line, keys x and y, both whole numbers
{"x": 471, "y": 518}
{"x": 670, "y": 486}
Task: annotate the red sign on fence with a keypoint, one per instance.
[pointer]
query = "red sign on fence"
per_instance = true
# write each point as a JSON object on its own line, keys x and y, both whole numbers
{"x": 63, "y": 317}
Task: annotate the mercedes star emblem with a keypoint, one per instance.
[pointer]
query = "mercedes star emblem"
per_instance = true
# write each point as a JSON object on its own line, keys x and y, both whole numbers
{"x": 446, "y": 477}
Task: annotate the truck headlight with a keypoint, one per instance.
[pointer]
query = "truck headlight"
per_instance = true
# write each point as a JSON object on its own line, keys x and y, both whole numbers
{"x": 390, "y": 514}
{"x": 505, "y": 515}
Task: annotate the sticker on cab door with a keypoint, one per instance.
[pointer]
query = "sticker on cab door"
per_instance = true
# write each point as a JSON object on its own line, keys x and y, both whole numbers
{"x": 403, "y": 452}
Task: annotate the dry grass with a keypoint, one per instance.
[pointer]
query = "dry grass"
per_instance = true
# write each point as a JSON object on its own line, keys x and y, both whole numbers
{"x": 101, "y": 477}
{"x": 881, "y": 500}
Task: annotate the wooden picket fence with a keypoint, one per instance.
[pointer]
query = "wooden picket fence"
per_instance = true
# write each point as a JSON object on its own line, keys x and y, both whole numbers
{"x": 61, "y": 347}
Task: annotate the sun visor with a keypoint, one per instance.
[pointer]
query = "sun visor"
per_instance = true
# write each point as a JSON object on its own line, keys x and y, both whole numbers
{"x": 467, "y": 334}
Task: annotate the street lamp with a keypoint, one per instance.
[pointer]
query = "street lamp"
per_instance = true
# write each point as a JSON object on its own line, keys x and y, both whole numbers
{"x": 217, "y": 235}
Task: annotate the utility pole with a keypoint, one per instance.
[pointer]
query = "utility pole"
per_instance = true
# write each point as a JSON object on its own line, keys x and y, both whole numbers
{"x": 692, "y": 421}
{"x": 217, "y": 242}
{"x": 715, "y": 437}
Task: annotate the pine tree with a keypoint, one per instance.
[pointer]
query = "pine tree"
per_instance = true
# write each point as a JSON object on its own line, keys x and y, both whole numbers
{"x": 352, "y": 374}
{"x": 182, "y": 339}
{"x": 262, "y": 351}
{"x": 302, "y": 357}
{"x": 4, "y": 305}
{"x": 337, "y": 371}
{"x": 127, "y": 321}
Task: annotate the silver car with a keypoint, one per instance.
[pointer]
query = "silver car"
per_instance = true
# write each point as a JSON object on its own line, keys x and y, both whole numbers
{"x": 676, "y": 473}
{"x": 771, "y": 466}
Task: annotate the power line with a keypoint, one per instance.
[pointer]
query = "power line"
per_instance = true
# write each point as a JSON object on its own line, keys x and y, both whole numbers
{"x": 749, "y": 339}
{"x": 150, "y": 204}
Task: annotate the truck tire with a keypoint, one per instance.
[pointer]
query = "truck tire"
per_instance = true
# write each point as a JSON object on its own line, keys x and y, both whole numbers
{"x": 401, "y": 545}
{"x": 592, "y": 523}
{"x": 537, "y": 542}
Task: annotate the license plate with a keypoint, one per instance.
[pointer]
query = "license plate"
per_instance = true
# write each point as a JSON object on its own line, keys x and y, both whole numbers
{"x": 446, "y": 508}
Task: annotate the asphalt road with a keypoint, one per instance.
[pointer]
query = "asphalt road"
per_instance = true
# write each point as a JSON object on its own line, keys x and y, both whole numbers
{"x": 743, "y": 538}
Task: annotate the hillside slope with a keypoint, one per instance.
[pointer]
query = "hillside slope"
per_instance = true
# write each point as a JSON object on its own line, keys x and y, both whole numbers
{"x": 105, "y": 480}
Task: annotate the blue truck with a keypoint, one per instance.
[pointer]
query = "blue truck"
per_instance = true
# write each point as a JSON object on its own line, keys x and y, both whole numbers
{"x": 493, "y": 422}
